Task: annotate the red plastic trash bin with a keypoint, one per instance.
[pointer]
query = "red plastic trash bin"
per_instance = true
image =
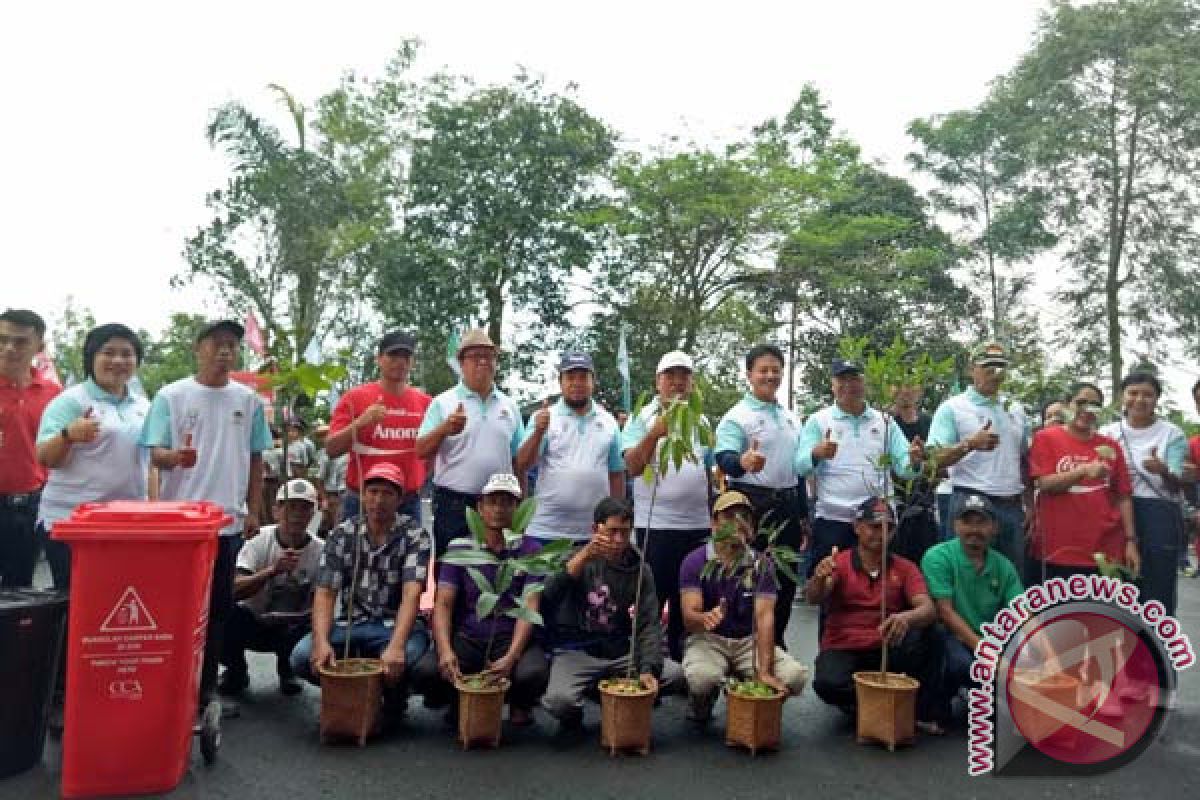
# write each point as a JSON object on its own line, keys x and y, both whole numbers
{"x": 140, "y": 579}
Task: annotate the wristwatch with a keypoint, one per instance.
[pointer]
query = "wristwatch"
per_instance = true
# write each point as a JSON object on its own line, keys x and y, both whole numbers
{"x": 65, "y": 433}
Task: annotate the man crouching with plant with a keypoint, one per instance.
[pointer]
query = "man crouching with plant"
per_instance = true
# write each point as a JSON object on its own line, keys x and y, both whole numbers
{"x": 728, "y": 593}
{"x": 469, "y": 634}
{"x": 593, "y": 631}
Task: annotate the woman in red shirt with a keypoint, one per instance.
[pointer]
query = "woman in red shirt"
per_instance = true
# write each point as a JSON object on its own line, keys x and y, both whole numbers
{"x": 1084, "y": 505}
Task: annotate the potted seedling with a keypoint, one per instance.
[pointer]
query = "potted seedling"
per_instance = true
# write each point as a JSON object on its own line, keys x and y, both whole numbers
{"x": 753, "y": 709}
{"x": 481, "y": 696}
{"x": 626, "y": 705}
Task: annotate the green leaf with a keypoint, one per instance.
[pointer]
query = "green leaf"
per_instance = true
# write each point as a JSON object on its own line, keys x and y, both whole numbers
{"x": 525, "y": 615}
{"x": 524, "y": 514}
{"x": 472, "y": 557}
{"x": 481, "y": 581}
{"x": 486, "y": 604}
{"x": 476, "y": 526}
{"x": 504, "y": 577}
{"x": 790, "y": 573}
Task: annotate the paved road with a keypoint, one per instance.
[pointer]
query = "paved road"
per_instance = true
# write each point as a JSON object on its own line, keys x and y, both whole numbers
{"x": 272, "y": 751}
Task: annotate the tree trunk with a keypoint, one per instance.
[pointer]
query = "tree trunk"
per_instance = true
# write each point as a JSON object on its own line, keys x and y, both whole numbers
{"x": 495, "y": 312}
{"x": 791, "y": 394}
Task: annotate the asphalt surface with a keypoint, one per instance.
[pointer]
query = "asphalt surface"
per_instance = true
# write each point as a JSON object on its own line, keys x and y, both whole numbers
{"x": 272, "y": 751}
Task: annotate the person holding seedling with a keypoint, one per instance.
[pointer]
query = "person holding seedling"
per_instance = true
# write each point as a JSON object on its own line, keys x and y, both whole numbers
{"x": 756, "y": 447}
{"x": 849, "y": 584}
{"x": 384, "y": 563}
{"x": 969, "y": 582}
{"x": 471, "y": 431}
{"x": 843, "y": 445}
{"x": 729, "y": 599}
{"x": 981, "y": 437}
{"x": 1084, "y": 504}
{"x": 500, "y": 645}
{"x": 1155, "y": 451}
{"x": 592, "y": 598}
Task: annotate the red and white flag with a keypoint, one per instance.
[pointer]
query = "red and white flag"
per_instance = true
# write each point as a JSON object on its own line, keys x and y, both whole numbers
{"x": 254, "y": 336}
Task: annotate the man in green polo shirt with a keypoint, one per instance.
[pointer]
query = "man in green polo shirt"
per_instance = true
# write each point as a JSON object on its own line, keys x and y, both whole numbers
{"x": 969, "y": 583}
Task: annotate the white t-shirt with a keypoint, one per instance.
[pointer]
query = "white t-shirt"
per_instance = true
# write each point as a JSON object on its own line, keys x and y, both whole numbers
{"x": 487, "y": 444}
{"x": 1137, "y": 444}
{"x": 226, "y": 425}
{"x": 681, "y": 500}
{"x": 286, "y": 589}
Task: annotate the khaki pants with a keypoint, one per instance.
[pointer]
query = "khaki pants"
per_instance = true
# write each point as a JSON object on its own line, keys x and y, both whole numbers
{"x": 709, "y": 659}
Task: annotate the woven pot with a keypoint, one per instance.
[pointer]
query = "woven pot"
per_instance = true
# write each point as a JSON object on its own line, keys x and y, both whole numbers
{"x": 351, "y": 699}
{"x": 1033, "y": 688}
{"x": 887, "y": 705}
{"x": 480, "y": 713}
{"x": 625, "y": 720}
{"x": 755, "y": 723}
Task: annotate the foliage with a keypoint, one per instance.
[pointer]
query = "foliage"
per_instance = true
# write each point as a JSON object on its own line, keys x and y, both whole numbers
{"x": 686, "y": 426}
{"x": 897, "y": 366}
{"x": 65, "y": 339}
{"x": 171, "y": 356}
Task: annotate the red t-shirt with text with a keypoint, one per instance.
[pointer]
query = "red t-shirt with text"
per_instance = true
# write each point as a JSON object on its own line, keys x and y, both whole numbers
{"x": 20, "y": 416}
{"x": 1084, "y": 520}
{"x": 392, "y": 441}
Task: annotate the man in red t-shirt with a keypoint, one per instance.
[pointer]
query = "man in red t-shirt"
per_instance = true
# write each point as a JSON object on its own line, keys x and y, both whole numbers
{"x": 23, "y": 396}
{"x": 850, "y": 585}
{"x": 1191, "y": 470}
{"x": 1084, "y": 494}
{"x": 381, "y": 420}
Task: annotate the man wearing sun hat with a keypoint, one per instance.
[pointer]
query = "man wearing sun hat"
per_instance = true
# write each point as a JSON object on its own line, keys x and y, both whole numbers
{"x": 983, "y": 436}
{"x": 471, "y": 431}
{"x": 577, "y": 449}
{"x": 723, "y": 609}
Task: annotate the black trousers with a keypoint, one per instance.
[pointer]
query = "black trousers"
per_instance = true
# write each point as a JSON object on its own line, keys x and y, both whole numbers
{"x": 18, "y": 539}
{"x": 833, "y": 673}
{"x": 449, "y": 517}
{"x": 244, "y": 631}
{"x": 917, "y": 532}
{"x": 220, "y": 606}
{"x": 665, "y": 552}
{"x": 772, "y": 507}
{"x": 1159, "y": 525}
{"x": 529, "y": 677}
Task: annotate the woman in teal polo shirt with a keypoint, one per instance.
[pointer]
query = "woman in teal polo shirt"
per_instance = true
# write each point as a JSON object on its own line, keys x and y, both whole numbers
{"x": 88, "y": 439}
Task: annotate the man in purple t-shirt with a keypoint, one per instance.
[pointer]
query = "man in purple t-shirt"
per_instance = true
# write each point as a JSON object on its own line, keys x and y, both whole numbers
{"x": 462, "y": 638}
{"x": 722, "y": 611}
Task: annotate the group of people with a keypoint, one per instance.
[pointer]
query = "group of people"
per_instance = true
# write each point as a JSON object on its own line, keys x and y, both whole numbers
{"x": 855, "y": 488}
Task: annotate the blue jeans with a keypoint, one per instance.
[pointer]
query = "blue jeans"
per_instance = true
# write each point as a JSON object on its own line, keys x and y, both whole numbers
{"x": 1159, "y": 525}
{"x": 1010, "y": 535}
{"x": 943, "y": 505}
{"x": 956, "y": 662}
{"x": 58, "y": 557}
{"x": 368, "y": 640}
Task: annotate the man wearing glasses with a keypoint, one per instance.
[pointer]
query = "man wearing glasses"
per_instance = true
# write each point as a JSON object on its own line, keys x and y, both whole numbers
{"x": 471, "y": 431}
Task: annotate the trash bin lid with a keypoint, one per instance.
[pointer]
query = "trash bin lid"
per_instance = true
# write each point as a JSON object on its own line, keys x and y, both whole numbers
{"x": 141, "y": 519}
{"x": 13, "y": 599}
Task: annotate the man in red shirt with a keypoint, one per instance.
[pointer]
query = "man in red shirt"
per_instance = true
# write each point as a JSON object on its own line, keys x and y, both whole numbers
{"x": 1191, "y": 468}
{"x": 380, "y": 420}
{"x": 1083, "y": 503}
{"x": 850, "y": 584}
{"x": 23, "y": 397}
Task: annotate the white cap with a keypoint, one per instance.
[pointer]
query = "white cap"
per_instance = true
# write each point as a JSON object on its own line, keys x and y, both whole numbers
{"x": 675, "y": 358}
{"x": 503, "y": 482}
{"x": 298, "y": 489}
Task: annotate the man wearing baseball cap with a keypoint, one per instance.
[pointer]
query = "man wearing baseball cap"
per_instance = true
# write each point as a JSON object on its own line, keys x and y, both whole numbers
{"x": 850, "y": 584}
{"x": 462, "y": 639}
{"x": 681, "y": 520}
{"x": 377, "y": 423}
{"x": 577, "y": 449}
{"x": 983, "y": 437}
{"x": 378, "y": 563}
{"x": 969, "y": 583}
{"x": 722, "y": 609}
{"x": 471, "y": 431}
{"x": 206, "y": 436}
{"x": 273, "y": 587}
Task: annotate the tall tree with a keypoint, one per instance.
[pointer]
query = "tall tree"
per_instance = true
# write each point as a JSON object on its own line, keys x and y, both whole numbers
{"x": 1106, "y": 107}
{"x": 169, "y": 356}
{"x": 66, "y": 334}
{"x": 500, "y": 185}
{"x": 295, "y": 228}
{"x": 980, "y": 182}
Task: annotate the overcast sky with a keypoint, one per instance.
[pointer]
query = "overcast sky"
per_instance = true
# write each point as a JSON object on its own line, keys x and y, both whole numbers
{"x": 105, "y": 165}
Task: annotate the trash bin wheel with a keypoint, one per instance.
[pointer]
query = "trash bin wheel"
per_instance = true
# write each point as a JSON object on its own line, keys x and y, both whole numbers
{"x": 210, "y": 732}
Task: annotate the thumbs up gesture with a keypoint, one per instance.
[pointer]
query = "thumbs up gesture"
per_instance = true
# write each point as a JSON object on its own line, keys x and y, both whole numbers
{"x": 984, "y": 438}
{"x": 827, "y": 449}
{"x": 1154, "y": 464}
{"x": 374, "y": 414}
{"x": 824, "y": 570}
{"x": 753, "y": 460}
{"x": 916, "y": 451}
{"x": 457, "y": 421}
{"x": 541, "y": 417}
{"x": 714, "y": 617}
{"x": 84, "y": 429}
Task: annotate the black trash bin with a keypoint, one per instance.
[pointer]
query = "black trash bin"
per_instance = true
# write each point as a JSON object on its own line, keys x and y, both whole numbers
{"x": 31, "y": 635}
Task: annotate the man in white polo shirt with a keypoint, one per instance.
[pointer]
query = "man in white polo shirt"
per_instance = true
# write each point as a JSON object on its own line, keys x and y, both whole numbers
{"x": 984, "y": 437}
{"x": 577, "y": 448}
{"x": 681, "y": 521}
{"x": 842, "y": 445}
{"x": 471, "y": 431}
{"x": 206, "y": 435}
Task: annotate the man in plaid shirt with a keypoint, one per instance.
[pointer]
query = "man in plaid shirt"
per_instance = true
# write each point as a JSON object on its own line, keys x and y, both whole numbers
{"x": 392, "y": 562}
